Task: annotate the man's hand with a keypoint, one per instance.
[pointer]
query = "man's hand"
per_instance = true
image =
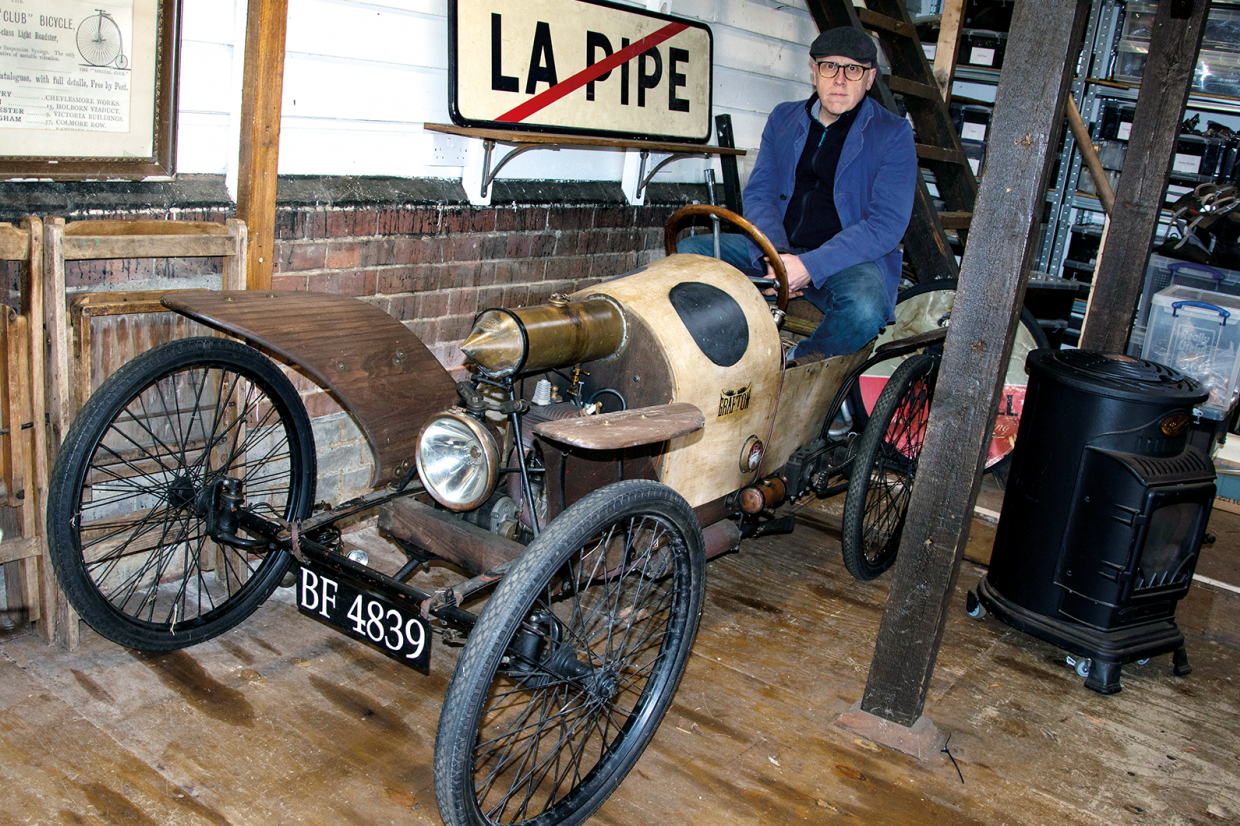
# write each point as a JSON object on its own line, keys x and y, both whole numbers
{"x": 798, "y": 276}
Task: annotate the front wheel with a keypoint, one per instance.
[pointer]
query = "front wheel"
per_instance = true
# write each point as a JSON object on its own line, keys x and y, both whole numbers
{"x": 885, "y": 467}
{"x": 573, "y": 662}
{"x": 134, "y": 482}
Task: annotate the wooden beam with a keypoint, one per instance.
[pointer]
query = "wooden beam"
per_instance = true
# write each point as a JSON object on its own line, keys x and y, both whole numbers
{"x": 1125, "y": 249}
{"x": 1028, "y": 120}
{"x": 62, "y": 619}
{"x": 949, "y": 44}
{"x": 1085, "y": 145}
{"x": 262, "y": 88}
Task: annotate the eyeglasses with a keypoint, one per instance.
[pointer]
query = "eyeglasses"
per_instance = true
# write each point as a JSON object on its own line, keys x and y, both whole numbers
{"x": 852, "y": 71}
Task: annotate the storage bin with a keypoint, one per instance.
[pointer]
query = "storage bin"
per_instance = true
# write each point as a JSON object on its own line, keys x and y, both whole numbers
{"x": 1130, "y": 56}
{"x": 974, "y": 122}
{"x": 1197, "y": 332}
{"x": 1083, "y": 243}
{"x": 1222, "y": 25}
{"x": 1212, "y": 160}
{"x": 979, "y": 47}
{"x": 1136, "y": 341}
{"x": 1116, "y": 121}
{"x": 1089, "y": 186}
{"x": 1163, "y": 272}
{"x": 1227, "y": 167}
{"x": 995, "y": 15}
{"x": 1190, "y": 151}
{"x": 975, "y": 151}
{"x": 1139, "y": 20}
{"x": 1111, "y": 153}
{"x": 1217, "y": 71}
{"x": 1222, "y": 29}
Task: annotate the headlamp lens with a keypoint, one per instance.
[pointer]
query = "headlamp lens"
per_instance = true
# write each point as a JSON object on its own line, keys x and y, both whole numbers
{"x": 457, "y": 461}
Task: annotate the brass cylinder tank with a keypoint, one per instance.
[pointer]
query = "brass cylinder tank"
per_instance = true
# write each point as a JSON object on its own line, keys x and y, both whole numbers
{"x": 556, "y": 334}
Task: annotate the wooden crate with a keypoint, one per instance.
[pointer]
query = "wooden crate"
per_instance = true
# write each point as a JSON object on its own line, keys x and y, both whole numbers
{"x": 90, "y": 335}
{"x": 30, "y": 589}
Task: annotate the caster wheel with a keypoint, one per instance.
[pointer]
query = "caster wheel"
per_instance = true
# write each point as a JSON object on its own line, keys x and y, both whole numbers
{"x": 1082, "y": 665}
{"x": 973, "y": 606}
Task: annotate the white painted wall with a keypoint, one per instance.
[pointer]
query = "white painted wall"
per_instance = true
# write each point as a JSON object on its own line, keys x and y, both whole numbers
{"x": 362, "y": 76}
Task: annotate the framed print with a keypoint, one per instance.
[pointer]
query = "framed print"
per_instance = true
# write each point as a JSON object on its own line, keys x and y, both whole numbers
{"x": 88, "y": 88}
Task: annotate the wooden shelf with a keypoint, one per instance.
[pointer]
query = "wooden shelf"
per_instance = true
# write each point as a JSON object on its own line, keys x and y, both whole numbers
{"x": 525, "y": 141}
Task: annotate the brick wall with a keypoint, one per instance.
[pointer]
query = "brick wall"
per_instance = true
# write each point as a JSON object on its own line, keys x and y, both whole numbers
{"x": 434, "y": 268}
{"x": 412, "y": 248}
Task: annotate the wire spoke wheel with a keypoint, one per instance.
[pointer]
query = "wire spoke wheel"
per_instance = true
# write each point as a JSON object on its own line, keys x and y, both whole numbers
{"x": 877, "y": 500}
{"x": 99, "y": 40}
{"x": 573, "y": 662}
{"x": 135, "y": 478}
{"x": 929, "y": 305}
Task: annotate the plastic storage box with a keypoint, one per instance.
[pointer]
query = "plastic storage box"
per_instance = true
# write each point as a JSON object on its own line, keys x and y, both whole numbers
{"x": 975, "y": 151}
{"x": 1222, "y": 25}
{"x": 1139, "y": 20}
{"x": 1198, "y": 332}
{"x": 1089, "y": 186}
{"x": 1117, "y": 121}
{"x": 1222, "y": 28}
{"x": 974, "y": 122}
{"x": 1130, "y": 57}
{"x": 983, "y": 48}
{"x": 1217, "y": 72}
{"x": 1163, "y": 272}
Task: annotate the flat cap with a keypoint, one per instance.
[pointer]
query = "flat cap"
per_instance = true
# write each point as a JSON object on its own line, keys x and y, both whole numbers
{"x": 845, "y": 41}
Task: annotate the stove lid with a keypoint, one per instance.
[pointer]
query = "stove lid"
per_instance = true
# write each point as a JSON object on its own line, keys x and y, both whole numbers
{"x": 1116, "y": 376}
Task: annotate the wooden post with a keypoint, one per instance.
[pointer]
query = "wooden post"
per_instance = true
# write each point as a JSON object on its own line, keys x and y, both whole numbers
{"x": 1120, "y": 272}
{"x": 1085, "y": 145}
{"x": 50, "y": 596}
{"x": 950, "y": 26}
{"x": 262, "y": 87}
{"x": 57, "y": 383}
{"x": 1028, "y": 121}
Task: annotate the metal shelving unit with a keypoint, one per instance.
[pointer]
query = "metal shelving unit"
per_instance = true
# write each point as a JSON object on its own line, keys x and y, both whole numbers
{"x": 1068, "y": 207}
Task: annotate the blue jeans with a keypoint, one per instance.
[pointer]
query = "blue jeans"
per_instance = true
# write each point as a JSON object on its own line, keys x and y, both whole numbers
{"x": 853, "y": 301}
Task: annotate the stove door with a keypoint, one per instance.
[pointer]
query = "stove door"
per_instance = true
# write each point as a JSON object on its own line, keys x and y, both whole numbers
{"x": 1132, "y": 537}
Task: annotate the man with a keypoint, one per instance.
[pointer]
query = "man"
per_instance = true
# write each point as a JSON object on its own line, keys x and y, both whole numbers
{"x": 833, "y": 186}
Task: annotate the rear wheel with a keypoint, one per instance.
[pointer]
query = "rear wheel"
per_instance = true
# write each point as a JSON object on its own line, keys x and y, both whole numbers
{"x": 136, "y": 477}
{"x": 885, "y": 467}
{"x": 573, "y": 662}
{"x": 925, "y": 307}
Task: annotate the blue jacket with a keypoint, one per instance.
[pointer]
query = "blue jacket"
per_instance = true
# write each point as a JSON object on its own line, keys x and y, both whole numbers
{"x": 874, "y": 187}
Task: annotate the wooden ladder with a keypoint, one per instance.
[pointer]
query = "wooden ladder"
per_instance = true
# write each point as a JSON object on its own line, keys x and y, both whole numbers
{"x": 926, "y": 244}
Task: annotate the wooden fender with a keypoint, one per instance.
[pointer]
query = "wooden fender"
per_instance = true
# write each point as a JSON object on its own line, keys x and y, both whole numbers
{"x": 382, "y": 373}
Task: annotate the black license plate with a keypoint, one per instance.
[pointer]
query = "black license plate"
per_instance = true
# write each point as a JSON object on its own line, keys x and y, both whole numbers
{"x": 366, "y": 616}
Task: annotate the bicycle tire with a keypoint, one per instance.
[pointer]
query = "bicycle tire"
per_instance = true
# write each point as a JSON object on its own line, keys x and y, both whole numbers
{"x": 885, "y": 466}
{"x": 126, "y": 502}
{"x": 921, "y": 308}
{"x": 593, "y": 626}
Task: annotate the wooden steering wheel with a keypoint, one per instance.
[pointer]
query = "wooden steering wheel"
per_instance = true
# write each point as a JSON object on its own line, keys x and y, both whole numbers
{"x": 682, "y": 215}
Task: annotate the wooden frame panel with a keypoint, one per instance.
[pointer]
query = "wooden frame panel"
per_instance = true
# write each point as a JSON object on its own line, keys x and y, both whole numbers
{"x": 29, "y": 584}
{"x": 70, "y": 342}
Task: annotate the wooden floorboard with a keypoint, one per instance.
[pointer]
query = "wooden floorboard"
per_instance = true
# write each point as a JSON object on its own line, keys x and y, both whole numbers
{"x": 281, "y": 721}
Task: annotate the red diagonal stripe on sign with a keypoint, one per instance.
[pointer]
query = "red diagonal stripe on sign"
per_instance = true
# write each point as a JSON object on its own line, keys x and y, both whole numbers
{"x": 534, "y": 104}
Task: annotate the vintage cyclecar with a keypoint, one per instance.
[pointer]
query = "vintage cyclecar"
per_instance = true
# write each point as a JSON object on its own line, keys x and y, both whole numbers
{"x": 579, "y": 519}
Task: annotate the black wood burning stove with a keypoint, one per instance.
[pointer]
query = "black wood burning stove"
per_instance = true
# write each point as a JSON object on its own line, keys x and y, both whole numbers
{"x": 1104, "y": 513}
